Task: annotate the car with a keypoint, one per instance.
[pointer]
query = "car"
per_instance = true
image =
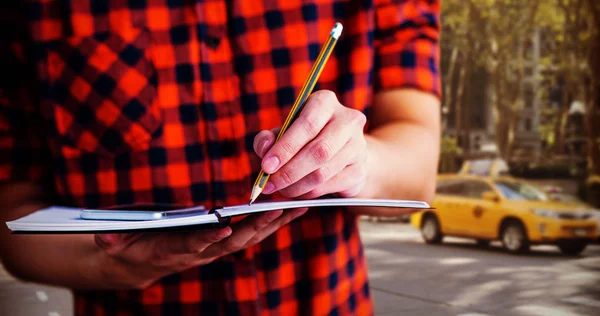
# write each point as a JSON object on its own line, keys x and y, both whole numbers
{"x": 506, "y": 209}
{"x": 556, "y": 193}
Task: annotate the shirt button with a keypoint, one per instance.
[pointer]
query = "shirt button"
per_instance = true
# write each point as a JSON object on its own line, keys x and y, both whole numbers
{"x": 213, "y": 42}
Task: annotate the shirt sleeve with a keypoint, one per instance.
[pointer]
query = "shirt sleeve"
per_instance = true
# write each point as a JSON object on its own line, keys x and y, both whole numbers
{"x": 406, "y": 43}
{"x": 23, "y": 153}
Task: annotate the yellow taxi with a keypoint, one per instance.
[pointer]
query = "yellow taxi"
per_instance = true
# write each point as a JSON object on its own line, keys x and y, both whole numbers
{"x": 505, "y": 209}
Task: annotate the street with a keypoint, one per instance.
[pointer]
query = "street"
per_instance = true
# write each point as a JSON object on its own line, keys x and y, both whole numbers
{"x": 411, "y": 278}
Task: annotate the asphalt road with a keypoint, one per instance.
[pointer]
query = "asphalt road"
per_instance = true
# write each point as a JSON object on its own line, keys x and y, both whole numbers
{"x": 411, "y": 278}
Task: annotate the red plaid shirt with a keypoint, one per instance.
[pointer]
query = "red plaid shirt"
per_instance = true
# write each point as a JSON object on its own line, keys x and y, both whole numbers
{"x": 118, "y": 102}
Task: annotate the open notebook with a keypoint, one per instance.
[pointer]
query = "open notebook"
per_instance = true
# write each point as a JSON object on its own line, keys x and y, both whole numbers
{"x": 58, "y": 219}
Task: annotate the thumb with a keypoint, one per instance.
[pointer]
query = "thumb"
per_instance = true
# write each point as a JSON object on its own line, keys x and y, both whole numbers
{"x": 263, "y": 142}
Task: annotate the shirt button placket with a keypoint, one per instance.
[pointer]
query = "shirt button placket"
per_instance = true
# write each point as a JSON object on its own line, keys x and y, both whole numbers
{"x": 212, "y": 19}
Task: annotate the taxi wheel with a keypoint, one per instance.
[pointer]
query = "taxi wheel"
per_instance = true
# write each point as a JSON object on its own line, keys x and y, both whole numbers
{"x": 514, "y": 237}
{"x": 572, "y": 248}
{"x": 430, "y": 230}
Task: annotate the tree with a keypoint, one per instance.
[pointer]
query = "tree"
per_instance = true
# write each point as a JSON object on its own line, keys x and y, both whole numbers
{"x": 496, "y": 35}
{"x": 492, "y": 34}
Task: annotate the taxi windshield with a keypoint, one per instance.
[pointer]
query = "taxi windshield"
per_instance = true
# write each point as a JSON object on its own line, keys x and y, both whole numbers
{"x": 520, "y": 191}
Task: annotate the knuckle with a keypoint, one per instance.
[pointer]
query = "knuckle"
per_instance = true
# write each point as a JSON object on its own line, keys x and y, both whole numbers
{"x": 286, "y": 149}
{"x": 286, "y": 192}
{"x": 357, "y": 117}
{"x": 325, "y": 95}
{"x": 310, "y": 125}
{"x": 321, "y": 151}
{"x": 315, "y": 193}
{"x": 291, "y": 191}
{"x": 322, "y": 174}
{"x": 287, "y": 176}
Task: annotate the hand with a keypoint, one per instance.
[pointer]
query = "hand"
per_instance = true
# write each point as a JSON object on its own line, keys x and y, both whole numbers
{"x": 323, "y": 152}
{"x": 138, "y": 260}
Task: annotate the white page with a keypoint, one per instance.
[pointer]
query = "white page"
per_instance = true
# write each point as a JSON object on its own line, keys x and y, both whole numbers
{"x": 67, "y": 219}
{"x": 259, "y": 207}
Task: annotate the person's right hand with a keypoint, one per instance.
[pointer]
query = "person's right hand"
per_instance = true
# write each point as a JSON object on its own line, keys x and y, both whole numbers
{"x": 138, "y": 260}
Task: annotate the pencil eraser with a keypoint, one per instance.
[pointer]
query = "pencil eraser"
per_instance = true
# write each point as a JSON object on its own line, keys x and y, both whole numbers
{"x": 336, "y": 31}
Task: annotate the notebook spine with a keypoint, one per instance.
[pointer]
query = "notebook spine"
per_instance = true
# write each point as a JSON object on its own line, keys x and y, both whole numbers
{"x": 223, "y": 220}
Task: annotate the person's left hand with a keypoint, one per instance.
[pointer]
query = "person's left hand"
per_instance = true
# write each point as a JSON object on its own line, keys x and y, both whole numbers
{"x": 323, "y": 152}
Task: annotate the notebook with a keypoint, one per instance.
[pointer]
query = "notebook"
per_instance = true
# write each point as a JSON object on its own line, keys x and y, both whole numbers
{"x": 60, "y": 219}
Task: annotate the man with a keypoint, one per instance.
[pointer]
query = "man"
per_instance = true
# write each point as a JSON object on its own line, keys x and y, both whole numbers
{"x": 173, "y": 102}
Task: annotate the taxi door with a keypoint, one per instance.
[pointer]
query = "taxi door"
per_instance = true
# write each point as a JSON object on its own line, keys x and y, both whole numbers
{"x": 483, "y": 215}
{"x": 451, "y": 206}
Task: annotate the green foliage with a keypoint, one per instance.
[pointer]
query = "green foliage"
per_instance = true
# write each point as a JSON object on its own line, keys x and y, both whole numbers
{"x": 497, "y": 35}
{"x": 449, "y": 145}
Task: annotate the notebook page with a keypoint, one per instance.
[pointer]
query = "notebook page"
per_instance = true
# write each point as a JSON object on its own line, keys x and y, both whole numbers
{"x": 271, "y": 206}
{"x": 57, "y": 218}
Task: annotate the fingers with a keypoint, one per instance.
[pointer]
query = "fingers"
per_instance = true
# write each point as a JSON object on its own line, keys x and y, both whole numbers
{"x": 242, "y": 233}
{"x": 191, "y": 242}
{"x": 115, "y": 243}
{"x": 322, "y": 154}
{"x": 347, "y": 183}
{"x": 141, "y": 247}
{"x": 346, "y": 156}
{"x": 146, "y": 257}
{"x": 283, "y": 220}
{"x": 263, "y": 141}
{"x": 317, "y": 111}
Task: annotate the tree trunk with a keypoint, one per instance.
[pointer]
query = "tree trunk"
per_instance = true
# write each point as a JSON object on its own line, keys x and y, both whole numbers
{"x": 450, "y": 79}
{"x": 593, "y": 103}
{"x": 459, "y": 106}
{"x": 467, "y": 102}
{"x": 500, "y": 112}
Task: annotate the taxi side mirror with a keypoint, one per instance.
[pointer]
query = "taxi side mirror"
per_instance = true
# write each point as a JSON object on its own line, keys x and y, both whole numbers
{"x": 490, "y": 196}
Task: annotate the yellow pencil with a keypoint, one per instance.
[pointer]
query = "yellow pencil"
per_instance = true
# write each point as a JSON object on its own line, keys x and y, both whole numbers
{"x": 306, "y": 90}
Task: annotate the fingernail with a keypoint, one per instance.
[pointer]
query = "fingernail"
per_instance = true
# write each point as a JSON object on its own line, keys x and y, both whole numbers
{"x": 271, "y": 216}
{"x": 269, "y": 188}
{"x": 270, "y": 164}
{"x": 224, "y": 232}
{"x": 263, "y": 147}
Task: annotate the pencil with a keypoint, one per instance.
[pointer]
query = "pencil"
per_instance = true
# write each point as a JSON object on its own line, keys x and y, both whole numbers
{"x": 306, "y": 90}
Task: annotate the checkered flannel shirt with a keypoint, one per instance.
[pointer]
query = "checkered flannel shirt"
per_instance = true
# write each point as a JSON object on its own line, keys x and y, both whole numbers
{"x": 120, "y": 102}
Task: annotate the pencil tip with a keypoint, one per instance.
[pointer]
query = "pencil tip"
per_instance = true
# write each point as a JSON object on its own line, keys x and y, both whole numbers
{"x": 256, "y": 190}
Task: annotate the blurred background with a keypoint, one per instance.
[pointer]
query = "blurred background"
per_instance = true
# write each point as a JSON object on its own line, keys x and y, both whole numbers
{"x": 516, "y": 219}
{"x": 515, "y": 225}
{"x": 521, "y": 83}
